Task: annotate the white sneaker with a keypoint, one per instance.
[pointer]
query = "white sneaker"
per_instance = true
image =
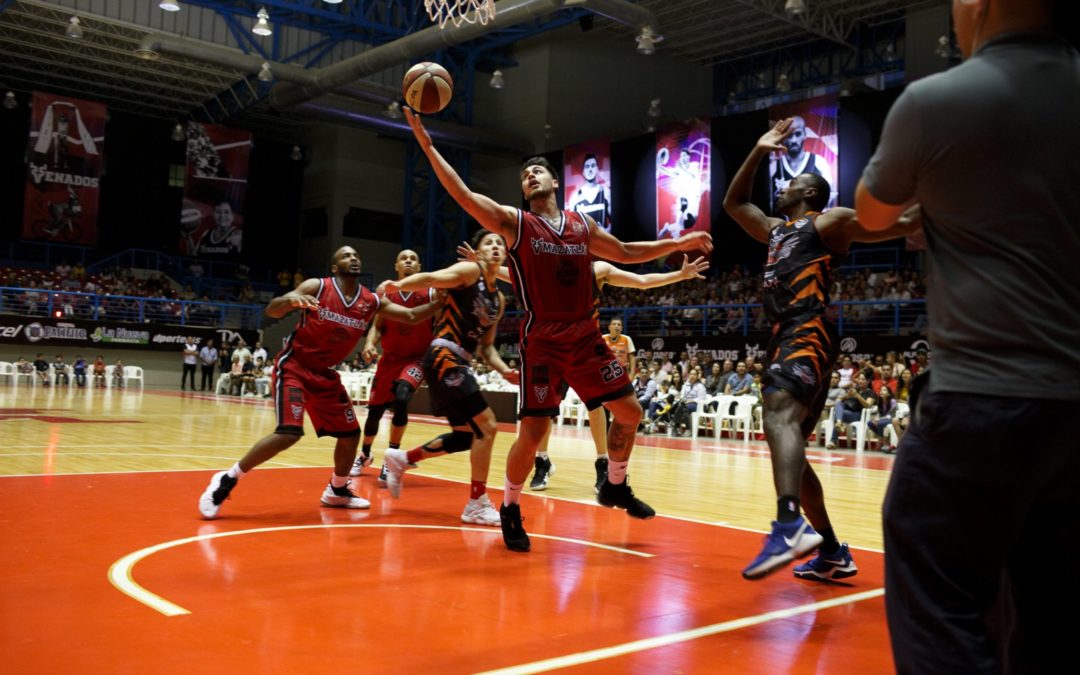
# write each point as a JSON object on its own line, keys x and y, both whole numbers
{"x": 215, "y": 494}
{"x": 362, "y": 461}
{"x": 481, "y": 512}
{"x": 396, "y": 463}
{"x": 345, "y": 501}
{"x": 381, "y": 480}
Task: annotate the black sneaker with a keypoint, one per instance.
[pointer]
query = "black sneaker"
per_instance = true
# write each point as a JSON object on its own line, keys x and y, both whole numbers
{"x": 544, "y": 470}
{"x": 215, "y": 494}
{"x": 382, "y": 476}
{"x": 622, "y": 497}
{"x": 601, "y": 473}
{"x": 514, "y": 535}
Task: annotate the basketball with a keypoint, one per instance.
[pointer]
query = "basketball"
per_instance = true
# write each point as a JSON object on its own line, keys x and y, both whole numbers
{"x": 427, "y": 88}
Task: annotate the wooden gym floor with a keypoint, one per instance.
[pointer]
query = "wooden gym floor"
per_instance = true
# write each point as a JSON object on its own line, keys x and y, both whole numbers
{"x": 109, "y": 567}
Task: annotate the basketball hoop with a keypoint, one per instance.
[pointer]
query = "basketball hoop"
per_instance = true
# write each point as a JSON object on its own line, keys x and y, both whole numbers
{"x": 460, "y": 11}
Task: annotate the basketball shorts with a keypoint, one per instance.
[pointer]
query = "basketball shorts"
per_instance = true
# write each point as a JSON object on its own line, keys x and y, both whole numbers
{"x": 452, "y": 386}
{"x": 318, "y": 392}
{"x": 800, "y": 358}
{"x": 556, "y": 355}
{"x": 390, "y": 371}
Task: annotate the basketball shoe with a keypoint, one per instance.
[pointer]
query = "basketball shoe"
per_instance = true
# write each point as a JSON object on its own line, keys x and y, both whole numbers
{"x": 221, "y": 484}
{"x": 343, "y": 498}
{"x": 361, "y": 462}
{"x": 514, "y": 535}
{"x": 396, "y": 463}
{"x": 544, "y": 470}
{"x": 381, "y": 480}
{"x": 480, "y": 511}
{"x": 838, "y": 565}
{"x": 622, "y": 497}
{"x": 786, "y": 542}
{"x": 601, "y": 473}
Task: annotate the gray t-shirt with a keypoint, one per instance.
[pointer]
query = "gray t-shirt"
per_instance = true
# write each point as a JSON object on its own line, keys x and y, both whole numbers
{"x": 991, "y": 150}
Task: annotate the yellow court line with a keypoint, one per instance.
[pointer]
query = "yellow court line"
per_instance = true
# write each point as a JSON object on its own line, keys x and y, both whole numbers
{"x": 682, "y": 636}
{"x": 121, "y": 570}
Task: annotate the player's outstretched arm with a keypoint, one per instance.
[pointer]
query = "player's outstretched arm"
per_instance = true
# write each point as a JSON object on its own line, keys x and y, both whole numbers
{"x": 491, "y": 215}
{"x": 487, "y": 351}
{"x": 737, "y": 200}
{"x": 302, "y": 297}
{"x": 410, "y": 315}
{"x": 370, "y": 353}
{"x": 840, "y": 227}
{"x": 457, "y": 275}
{"x": 468, "y": 254}
{"x": 606, "y": 273}
{"x": 604, "y": 245}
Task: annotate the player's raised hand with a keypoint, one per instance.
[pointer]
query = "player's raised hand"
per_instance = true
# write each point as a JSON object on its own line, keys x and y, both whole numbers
{"x": 513, "y": 376}
{"x": 369, "y": 354}
{"x": 693, "y": 270}
{"x": 771, "y": 141}
{"x": 418, "y": 129}
{"x": 303, "y": 302}
{"x": 696, "y": 241}
{"x": 466, "y": 253}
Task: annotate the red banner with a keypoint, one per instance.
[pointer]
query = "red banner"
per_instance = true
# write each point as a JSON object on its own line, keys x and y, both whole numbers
{"x": 683, "y": 156}
{"x": 812, "y": 147}
{"x": 212, "y": 217}
{"x": 587, "y": 180}
{"x": 67, "y": 148}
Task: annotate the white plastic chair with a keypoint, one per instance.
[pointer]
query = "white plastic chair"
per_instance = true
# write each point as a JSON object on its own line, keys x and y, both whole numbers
{"x": 133, "y": 374}
{"x": 223, "y": 382}
{"x": 573, "y": 408}
{"x": 109, "y": 376}
{"x": 861, "y": 426}
{"x": 7, "y": 369}
{"x": 30, "y": 377}
{"x": 742, "y": 418}
{"x": 704, "y": 413}
{"x": 363, "y": 386}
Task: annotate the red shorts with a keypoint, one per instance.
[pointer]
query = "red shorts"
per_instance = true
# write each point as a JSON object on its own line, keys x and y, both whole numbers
{"x": 391, "y": 370}
{"x": 557, "y": 354}
{"x": 319, "y": 392}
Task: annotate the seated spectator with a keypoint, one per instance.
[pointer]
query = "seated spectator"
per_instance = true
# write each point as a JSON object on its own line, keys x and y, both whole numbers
{"x": 846, "y": 371}
{"x": 23, "y": 366}
{"x": 80, "y": 370}
{"x": 886, "y": 412}
{"x": 236, "y": 376}
{"x": 691, "y": 396}
{"x": 284, "y": 280}
{"x": 832, "y": 395}
{"x": 78, "y": 272}
{"x": 755, "y": 389}
{"x": 247, "y": 377}
{"x": 921, "y": 362}
{"x": 247, "y": 294}
{"x": 118, "y": 374}
{"x": 357, "y": 363}
{"x": 99, "y": 372}
{"x": 63, "y": 270}
{"x": 903, "y": 386}
{"x": 849, "y": 409}
{"x": 196, "y": 270}
{"x": 883, "y": 378}
{"x": 262, "y": 379}
{"x": 60, "y": 371}
{"x": 644, "y": 388}
{"x": 41, "y": 369}
{"x": 739, "y": 382}
{"x": 715, "y": 381}
{"x": 660, "y": 406}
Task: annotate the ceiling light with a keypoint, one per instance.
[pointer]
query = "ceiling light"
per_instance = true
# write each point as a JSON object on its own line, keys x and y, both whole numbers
{"x": 393, "y": 110}
{"x": 177, "y": 133}
{"x": 783, "y": 84}
{"x": 547, "y": 131}
{"x": 943, "y": 47}
{"x": 262, "y": 26}
{"x": 265, "y": 75}
{"x": 497, "y": 81}
{"x": 654, "y": 109}
{"x": 890, "y": 53}
{"x": 169, "y": 5}
{"x": 731, "y": 97}
{"x": 74, "y": 30}
{"x": 296, "y": 155}
{"x": 846, "y": 89}
{"x": 647, "y": 40}
{"x": 9, "y": 101}
{"x": 795, "y": 7}
{"x": 332, "y": 2}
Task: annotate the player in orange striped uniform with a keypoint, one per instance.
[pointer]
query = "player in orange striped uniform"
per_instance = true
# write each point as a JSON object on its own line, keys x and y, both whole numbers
{"x": 801, "y": 355}
{"x": 466, "y": 325}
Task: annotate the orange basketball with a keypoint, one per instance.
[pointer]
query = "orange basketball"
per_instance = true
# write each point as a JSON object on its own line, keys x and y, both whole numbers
{"x": 427, "y": 88}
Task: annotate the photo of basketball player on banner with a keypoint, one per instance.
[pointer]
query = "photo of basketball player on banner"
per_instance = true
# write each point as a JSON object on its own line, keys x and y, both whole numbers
{"x": 211, "y": 217}
{"x": 682, "y": 178}
{"x": 67, "y": 144}
{"x": 811, "y": 148}
{"x": 587, "y": 189}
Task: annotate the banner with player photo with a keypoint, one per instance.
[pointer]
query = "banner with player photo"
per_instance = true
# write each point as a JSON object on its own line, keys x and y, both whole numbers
{"x": 683, "y": 157}
{"x": 67, "y": 148}
{"x": 587, "y": 180}
{"x": 212, "y": 216}
{"x": 812, "y": 147}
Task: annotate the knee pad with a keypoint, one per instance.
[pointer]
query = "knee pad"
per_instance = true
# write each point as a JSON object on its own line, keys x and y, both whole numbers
{"x": 455, "y": 441}
{"x": 401, "y": 413}
{"x": 403, "y": 391}
{"x": 374, "y": 415}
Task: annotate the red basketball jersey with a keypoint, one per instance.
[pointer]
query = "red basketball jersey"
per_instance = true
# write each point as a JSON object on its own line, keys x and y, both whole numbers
{"x": 400, "y": 340}
{"x": 551, "y": 269}
{"x": 325, "y": 337}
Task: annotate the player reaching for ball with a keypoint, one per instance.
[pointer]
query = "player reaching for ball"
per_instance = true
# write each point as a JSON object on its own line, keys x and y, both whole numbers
{"x": 427, "y": 88}
{"x": 336, "y": 311}
{"x": 551, "y": 266}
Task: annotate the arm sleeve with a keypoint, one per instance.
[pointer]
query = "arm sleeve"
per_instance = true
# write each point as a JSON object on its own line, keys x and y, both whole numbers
{"x": 890, "y": 176}
{"x": 630, "y": 345}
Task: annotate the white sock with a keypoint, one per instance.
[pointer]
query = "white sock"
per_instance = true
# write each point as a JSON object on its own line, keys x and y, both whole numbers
{"x": 616, "y": 471}
{"x": 511, "y": 491}
{"x": 339, "y": 481}
{"x": 236, "y": 471}
{"x": 542, "y": 455}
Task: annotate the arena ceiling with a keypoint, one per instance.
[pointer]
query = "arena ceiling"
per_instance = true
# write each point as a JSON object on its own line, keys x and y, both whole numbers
{"x": 35, "y": 52}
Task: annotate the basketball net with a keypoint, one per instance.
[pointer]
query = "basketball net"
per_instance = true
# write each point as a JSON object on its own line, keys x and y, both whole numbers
{"x": 458, "y": 12}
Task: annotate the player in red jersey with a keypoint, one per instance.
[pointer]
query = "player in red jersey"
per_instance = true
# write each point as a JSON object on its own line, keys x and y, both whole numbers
{"x": 336, "y": 312}
{"x": 551, "y": 265}
{"x": 399, "y": 373}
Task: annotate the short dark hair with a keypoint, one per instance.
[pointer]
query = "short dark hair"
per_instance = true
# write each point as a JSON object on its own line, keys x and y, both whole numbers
{"x": 588, "y": 156}
{"x": 479, "y": 235}
{"x": 540, "y": 161}
{"x": 819, "y": 201}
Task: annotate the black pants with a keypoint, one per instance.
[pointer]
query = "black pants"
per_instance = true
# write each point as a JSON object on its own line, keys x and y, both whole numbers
{"x": 207, "y": 377}
{"x": 981, "y": 535}
{"x": 189, "y": 369}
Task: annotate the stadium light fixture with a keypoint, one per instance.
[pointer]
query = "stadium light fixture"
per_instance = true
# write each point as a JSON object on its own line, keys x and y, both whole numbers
{"x": 169, "y": 5}
{"x": 262, "y": 26}
{"x": 9, "y": 101}
{"x": 647, "y": 41}
{"x": 297, "y": 154}
{"x": 783, "y": 83}
{"x": 393, "y": 111}
{"x": 497, "y": 81}
{"x": 795, "y": 8}
{"x": 74, "y": 30}
{"x": 265, "y": 74}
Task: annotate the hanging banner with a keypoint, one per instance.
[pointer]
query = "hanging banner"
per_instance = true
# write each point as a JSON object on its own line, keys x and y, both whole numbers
{"x": 212, "y": 218}
{"x": 812, "y": 146}
{"x": 66, "y": 153}
{"x": 587, "y": 180}
{"x": 683, "y": 157}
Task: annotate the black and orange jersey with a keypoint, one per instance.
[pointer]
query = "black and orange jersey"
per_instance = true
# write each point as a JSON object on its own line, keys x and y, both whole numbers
{"x": 468, "y": 313}
{"x": 797, "y": 272}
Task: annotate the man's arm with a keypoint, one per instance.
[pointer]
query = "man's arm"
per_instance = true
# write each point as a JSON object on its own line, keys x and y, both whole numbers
{"x": 409, "y": 315}
{"x": 604, "y": 245}
{"x": 467, "y": 253}
{"x": 840, "y": 227}
{"x": 491, "y": 215}
{"x": 457, "y": 275}
{"x": 609, "y": 274}
{"x": 303, "y": 297}
{"x": 370, "y": 353}
{"x": 890, "y": 177}
{"x": 488, "y": 352}
{"x": 874, "y": 214}
{"x": 630, "y": 355}
{"x": 737, "y": 200}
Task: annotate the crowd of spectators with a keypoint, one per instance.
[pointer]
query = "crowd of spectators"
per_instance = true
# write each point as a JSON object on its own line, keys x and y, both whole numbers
{"x": 79, "y": 373}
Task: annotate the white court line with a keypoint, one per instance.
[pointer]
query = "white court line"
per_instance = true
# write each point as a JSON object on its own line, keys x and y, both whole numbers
{"x": 682, "y": 636}
{"x": 65, "y": 453}
{"x": 120, "y": 571}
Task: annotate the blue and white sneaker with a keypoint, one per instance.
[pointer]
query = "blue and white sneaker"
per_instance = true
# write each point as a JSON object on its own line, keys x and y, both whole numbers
{"x": 838, "y": 565}
{"x": 786, "y": 542}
